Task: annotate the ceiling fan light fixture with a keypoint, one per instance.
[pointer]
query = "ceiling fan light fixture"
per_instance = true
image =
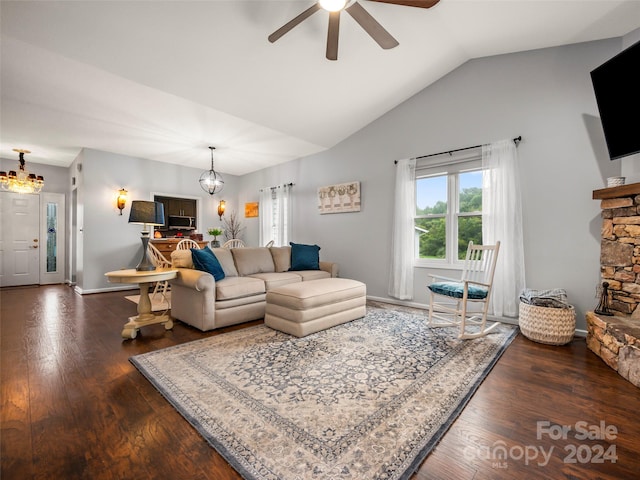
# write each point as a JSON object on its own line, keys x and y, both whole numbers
{"x": 333, "y": 5}
{"x": 359, "y": 14}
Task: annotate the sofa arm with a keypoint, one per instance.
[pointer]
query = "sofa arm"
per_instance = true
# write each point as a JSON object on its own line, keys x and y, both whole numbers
{"x": 196, "y": 280}
{"x": 330, "y": 267}
{"x": 193, "y": 298}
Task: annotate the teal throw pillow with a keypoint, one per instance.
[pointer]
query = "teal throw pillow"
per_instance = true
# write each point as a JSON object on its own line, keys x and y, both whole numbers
{"x": 304, "y": 257}
{"x": 205, "y": 260}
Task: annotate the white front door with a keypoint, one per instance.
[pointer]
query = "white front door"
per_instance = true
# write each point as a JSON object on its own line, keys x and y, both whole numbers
{"x": 19, "y": 239}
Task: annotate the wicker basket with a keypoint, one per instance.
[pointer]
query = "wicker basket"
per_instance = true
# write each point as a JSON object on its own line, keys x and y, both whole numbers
{"x": 553, "y": 326}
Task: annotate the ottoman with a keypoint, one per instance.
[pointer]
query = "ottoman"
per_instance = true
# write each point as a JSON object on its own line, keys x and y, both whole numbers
{"x": 303, "y": 308}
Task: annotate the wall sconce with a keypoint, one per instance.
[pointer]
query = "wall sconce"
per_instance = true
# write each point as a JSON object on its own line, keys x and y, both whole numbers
{"x": 221, "y": 207}
{"x": 122, "y": 199}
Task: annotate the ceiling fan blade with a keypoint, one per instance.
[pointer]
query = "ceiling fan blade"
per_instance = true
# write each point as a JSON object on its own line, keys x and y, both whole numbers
{"x": 292, "y": 23}
{"x": 371, "y": 26}
{"x": 332, "y": 35}
{"x": 411, "y": 3}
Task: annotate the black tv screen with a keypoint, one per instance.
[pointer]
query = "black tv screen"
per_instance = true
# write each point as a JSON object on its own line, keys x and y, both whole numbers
{"x": 617, "y": 88}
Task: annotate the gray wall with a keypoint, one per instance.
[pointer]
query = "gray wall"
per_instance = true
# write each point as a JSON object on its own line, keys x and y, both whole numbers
{"x": 106, "y": 241}
{"x": 544, "y": 95}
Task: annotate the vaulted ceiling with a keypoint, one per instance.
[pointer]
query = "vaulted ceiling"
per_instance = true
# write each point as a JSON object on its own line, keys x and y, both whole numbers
{"x": 165, "y": 79}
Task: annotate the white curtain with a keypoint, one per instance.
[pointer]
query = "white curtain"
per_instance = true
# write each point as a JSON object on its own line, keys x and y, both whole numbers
{"x": 502, "y": 220}
{"x": 402, "y": 231}
{"x": 275, "y": 215}
{"x": 284, "y": 214}
{"x": 266, "y": 216}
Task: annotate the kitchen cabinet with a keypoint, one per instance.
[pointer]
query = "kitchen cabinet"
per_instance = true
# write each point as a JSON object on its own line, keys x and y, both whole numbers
{"x": 182, "y": 206}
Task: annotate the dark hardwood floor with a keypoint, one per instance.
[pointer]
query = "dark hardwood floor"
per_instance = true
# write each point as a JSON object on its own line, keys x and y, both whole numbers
{"x": 72, "y": 406}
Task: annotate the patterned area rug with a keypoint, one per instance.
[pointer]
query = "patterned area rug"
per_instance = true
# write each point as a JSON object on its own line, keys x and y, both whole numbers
{"x": 365, "y": 400}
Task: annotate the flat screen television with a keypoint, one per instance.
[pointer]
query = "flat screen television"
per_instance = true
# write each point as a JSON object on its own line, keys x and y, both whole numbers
{"x": 617, "y": 88}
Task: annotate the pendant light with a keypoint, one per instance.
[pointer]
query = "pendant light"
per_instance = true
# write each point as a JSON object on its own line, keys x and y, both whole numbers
{"x": 211, "y": 181}
{"x": 21, "y": 181}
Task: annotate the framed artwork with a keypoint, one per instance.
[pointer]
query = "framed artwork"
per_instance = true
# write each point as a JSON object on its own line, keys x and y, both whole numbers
{"x": 251, "y": 209}
{"x": 340, "y": 198}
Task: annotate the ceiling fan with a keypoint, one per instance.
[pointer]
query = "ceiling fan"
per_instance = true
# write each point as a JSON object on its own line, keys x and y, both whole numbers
{"x": 359, "y": 14}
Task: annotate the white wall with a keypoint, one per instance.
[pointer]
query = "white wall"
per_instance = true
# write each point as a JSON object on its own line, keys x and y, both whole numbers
{"x": 544, "y": 95}
{"x": 106, "y": 240}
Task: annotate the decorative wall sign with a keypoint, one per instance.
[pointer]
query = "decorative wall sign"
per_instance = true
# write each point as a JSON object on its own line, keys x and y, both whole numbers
{"x": 341, "y": 198}
{"x": 251, "y": 209}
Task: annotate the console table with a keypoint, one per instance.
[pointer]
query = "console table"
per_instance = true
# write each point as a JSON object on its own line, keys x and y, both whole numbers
{"x": 144, "y": 279}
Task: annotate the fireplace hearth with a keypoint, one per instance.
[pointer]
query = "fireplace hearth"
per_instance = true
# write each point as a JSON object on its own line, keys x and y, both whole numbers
{"x": 616, "y": 339}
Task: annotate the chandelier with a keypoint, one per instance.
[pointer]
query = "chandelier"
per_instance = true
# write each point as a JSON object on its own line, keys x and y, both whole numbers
{"x": 211, "y": 181}
{"x": 21, "y": 181}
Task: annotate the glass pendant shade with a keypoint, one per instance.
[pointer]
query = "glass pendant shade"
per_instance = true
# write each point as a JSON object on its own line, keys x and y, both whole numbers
{"x": 211, "y": 181}
{"x": 333, "y": 5}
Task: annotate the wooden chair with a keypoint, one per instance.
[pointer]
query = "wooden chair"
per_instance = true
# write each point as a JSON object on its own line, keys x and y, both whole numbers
{"x": 159, "y": 261}
{"x": 474, "y": 286}
{"x": 233, "y": 243}
{"x": 187, "y": 244}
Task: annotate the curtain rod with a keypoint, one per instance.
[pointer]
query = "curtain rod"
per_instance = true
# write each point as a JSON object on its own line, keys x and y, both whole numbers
{"x": 516, "y": 140}
{"x": 290, "y": 184}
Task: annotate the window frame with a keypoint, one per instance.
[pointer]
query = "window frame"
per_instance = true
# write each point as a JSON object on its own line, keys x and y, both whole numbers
{"x": 451, "y": 165}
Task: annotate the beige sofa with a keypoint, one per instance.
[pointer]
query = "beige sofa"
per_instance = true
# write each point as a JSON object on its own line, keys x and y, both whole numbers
{"x": 200, "y": 301}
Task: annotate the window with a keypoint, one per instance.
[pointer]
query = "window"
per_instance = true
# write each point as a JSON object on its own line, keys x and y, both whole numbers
{"x": 52, "y": 237}
{"x": 448, "y": 209}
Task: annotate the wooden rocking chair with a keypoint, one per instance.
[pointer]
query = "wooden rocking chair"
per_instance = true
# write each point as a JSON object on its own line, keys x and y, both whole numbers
{"x": 473, "y": 287}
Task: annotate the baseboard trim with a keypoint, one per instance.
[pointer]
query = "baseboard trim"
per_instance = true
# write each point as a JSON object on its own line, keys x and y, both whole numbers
{"x": 394, "y": 301}
{"x": 580, "y": 333}
{"x": 102, "y": 290}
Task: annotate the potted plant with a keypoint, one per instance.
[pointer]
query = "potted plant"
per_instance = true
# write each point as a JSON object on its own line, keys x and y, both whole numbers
{"x": 215, "y": 233}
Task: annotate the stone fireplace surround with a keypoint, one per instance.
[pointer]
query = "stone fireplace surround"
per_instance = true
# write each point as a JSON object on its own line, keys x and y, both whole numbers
{"x": 616, "y": 338}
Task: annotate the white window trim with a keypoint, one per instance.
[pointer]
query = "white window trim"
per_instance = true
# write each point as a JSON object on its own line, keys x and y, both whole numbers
{"x": 448, "y": 164}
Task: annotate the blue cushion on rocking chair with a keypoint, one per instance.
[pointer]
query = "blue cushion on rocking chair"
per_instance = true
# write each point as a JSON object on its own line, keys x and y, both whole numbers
{"x": 456, "y": 290}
